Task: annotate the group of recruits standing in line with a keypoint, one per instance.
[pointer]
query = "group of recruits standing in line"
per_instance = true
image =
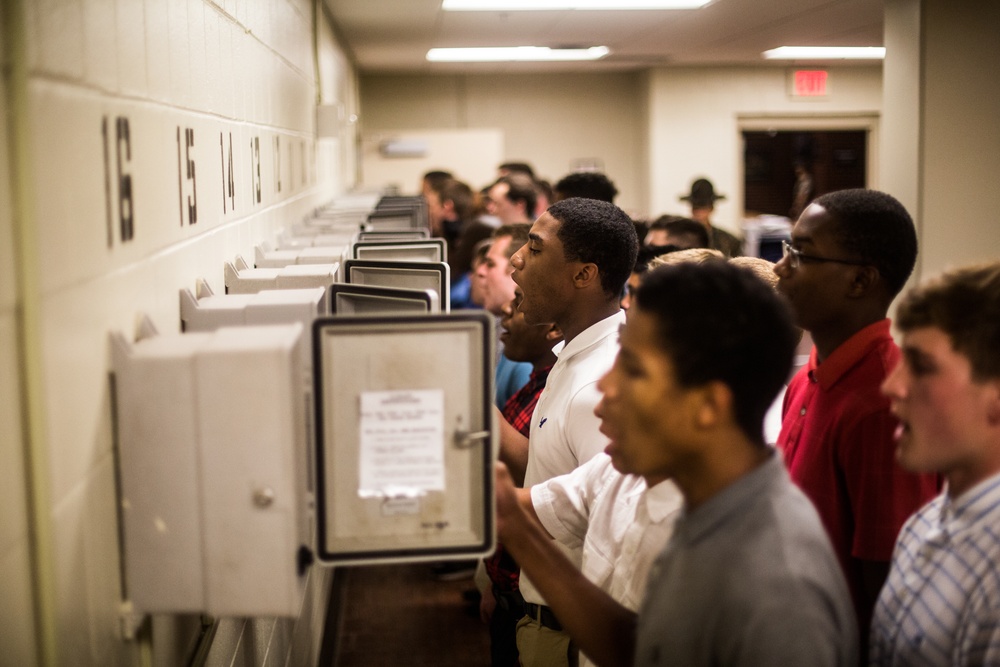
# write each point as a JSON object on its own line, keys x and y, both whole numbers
{"x": 652, "y": 519}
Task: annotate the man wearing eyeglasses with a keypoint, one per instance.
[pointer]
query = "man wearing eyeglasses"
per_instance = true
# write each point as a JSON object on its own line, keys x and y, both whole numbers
{"x": 850, "y": 254}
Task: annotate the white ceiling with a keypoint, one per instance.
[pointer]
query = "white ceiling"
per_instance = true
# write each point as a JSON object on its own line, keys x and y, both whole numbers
{"x": 394, "y": 35}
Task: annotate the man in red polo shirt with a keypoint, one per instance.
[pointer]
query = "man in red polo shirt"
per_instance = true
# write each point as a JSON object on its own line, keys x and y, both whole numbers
{"x": 850, "y": 254}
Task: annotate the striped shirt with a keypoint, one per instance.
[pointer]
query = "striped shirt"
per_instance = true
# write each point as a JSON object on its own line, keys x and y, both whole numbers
{"x": 941, "y": 602}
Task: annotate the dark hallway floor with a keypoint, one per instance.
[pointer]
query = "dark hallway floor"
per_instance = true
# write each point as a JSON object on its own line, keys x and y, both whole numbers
{"x": 401, "y": 615}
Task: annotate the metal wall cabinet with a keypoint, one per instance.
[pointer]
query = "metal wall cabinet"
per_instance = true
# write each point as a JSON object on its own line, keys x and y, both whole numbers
{"x": 423, "y": 250}
{"x": 435, "y": 276}
{"x": 214, "y": 499}
{"x": 351, "y": 299}
{"x": 405, "y": 437}
{"x": 223, "y": 508}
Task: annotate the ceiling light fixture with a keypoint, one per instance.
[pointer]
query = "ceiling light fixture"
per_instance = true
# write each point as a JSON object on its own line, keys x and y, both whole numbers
{"x": 495, "y": 54}
{"x": 536, "y": 5}
{"x": 826, "y": 53}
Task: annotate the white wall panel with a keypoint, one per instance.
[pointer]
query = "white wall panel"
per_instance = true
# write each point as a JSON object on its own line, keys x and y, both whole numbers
{"x": 156, "y": 19}
{"x": 17, "y": 607}
{"x": 551, "y": 121}
{"x": 130, "y": 32}
{"x": 60, "y": 42}
{"x": 193, "y": 80}
{"x": 100, "y": 42}
{"x": 960, "y": 136}
{"x": 17, "y": 631}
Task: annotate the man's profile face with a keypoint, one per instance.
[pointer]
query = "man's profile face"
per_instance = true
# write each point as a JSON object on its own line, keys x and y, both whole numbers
{"x": 523, "y": 341}
{"x": 502, "y": 207}
{"x": 631, "y": 286}
{"x": 498, "y": 286}
{"x": 702, "y": 214}
{"x": 644, "y": 411}
{"x": 817, "y": 291}
{"x": 543, "y": 273}
{"x": 944, "y": 413}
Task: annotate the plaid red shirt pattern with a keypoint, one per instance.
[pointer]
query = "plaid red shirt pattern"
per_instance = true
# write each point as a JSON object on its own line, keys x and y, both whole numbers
{"x": 501, "y": 568}
{"x": 519, "y": 407}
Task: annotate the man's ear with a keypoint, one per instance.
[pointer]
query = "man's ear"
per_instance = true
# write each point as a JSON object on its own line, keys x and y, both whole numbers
{"x": 993, "y": 403}
{"x": 864, "y": 280}
{"x": 554, "y": 334}
{"x": 448, "y": 206}
{"x": 586, "y": 275}
{"x": 715, "y": 404}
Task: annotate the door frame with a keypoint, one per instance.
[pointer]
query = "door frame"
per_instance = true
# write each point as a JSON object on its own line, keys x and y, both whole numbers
{"x": 867, "y": 122}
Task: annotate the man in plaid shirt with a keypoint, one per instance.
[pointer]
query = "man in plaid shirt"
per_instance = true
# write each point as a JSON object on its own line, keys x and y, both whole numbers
{"x": 501, "y": 604}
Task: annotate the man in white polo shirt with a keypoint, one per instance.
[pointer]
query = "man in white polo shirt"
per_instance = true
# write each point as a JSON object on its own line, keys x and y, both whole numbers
{"x": 571, "y": 272}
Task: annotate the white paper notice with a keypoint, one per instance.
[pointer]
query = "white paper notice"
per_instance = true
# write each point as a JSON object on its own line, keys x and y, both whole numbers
{"x": 402, "y": 442}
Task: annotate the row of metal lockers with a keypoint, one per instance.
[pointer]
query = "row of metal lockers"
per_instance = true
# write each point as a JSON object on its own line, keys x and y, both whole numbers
{"x": 328, "y": 409}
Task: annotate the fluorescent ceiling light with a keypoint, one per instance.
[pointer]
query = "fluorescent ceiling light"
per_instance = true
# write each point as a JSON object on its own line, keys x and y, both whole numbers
{"x": 826, "y": 52}
{"x": 514, "y": 54}
{"x": 529, "y": 5}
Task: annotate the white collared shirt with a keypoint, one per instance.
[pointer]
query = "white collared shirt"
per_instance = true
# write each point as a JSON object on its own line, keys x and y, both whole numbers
{"x": 564, "y": 429}
{"x": 621, "y": 524}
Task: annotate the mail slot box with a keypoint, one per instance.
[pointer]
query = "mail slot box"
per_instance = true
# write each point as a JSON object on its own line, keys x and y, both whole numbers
{"x": 266, "y": 258}
{"x": 405, "y": 437}
{"x": 217, "y": 513}
{"x": 241, "y": 279}
{"x": 434, "y": 276}
{"x": 423, "y": 250}
{"x": 214, "y": 500}
{"x": 393, "y": 235}
{"x": 349, "y": 299}
{"x": 208, "y": 312}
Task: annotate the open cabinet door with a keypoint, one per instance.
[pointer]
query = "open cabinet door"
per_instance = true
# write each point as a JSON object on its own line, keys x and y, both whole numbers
{"x": 405, "y": 437}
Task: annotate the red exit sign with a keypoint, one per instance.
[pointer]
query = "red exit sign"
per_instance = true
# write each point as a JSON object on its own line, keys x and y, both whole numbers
{"x": 809, "y": 83}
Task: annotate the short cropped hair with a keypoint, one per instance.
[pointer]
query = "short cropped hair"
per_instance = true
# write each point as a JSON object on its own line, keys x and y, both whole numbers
{"x": 875, "y": 228}
{"x": 480, "y": 250}
{"x": 588, "y": 184}
{"x": 696, "y": 255}
{"x": 518, "y": 233}
{"x": 543, "y": 188}
{"x": 681, "y": 226}
{"x": 598, "y": 232}
{"x": 758, "y": 266}
{"x": 517, "y": 168}
{"x": 436, "y": 177}
{"x": 460, "y": 194}
{"x": 964, "y": 304}
{"x": 521, "y": 187}
{"x": 719, "y": 322}
{"x": 643, "y": 258}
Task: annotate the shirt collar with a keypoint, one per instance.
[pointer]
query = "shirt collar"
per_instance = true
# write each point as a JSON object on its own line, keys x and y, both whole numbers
{"x": 847, "y": 354}
{"x": 736, "y": 497}
{"x": 967, "y": 509}
{"x": 538, "y": 374}
{"x": 592, "y": 335}
{"x": 662, "y": 500}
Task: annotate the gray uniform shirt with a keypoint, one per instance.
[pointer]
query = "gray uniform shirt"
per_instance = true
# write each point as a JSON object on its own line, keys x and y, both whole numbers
{"x": 749, "y": 578}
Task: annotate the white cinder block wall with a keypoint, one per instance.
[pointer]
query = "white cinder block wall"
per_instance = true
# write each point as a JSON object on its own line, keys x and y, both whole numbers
{"x": 147, "y": 143}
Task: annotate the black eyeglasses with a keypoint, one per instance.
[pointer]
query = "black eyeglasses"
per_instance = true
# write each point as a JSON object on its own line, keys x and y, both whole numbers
{"x": 795, "y": 257}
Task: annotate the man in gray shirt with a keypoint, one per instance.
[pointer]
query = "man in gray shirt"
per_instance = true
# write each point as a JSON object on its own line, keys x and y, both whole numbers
{"x": 749, "y": 577}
